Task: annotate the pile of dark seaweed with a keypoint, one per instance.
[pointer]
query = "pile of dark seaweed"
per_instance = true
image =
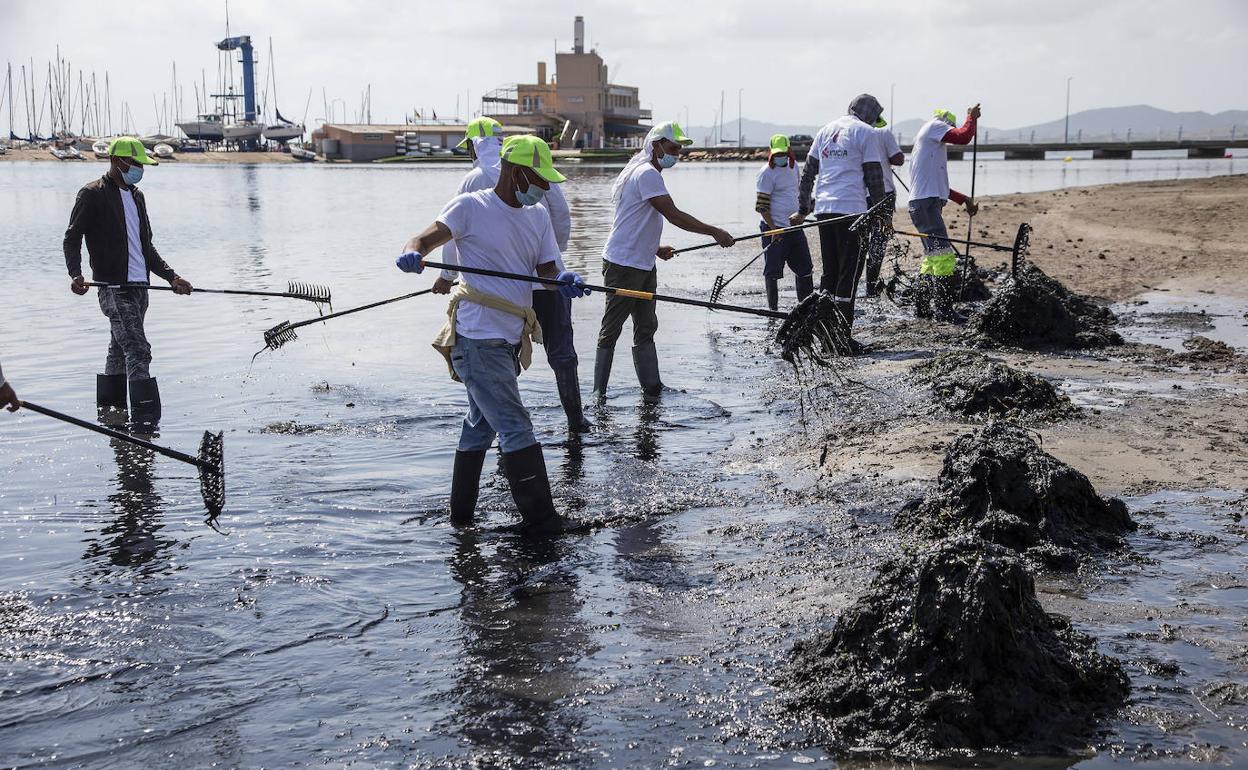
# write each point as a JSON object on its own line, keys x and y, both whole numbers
{"x": 974, "y": 385}
{"x": 949, "y": 652}
{"x": 815, "y": 332}
{"x": 1032, "y": 310}
{"x": 1000, "y": 485}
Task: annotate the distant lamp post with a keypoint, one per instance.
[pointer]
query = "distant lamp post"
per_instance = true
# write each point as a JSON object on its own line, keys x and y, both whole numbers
{"x": 739, "y": 92}
{"x": 1066, "y": 133}
{"x": 892, "y": 94}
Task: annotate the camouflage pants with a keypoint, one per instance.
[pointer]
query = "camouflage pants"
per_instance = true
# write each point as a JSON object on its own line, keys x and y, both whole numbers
{"x": 128, "y": 351}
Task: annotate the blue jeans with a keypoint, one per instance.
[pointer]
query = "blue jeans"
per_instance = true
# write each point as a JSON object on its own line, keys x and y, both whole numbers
{"x": 790, "y": 249}
{"x": 554, "y": 315}
{"x": 489, "y": 369}
{"x": 926, "y": 215}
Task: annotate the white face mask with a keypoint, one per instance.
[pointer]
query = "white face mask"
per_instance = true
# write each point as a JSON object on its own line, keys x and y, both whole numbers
{"x": 781, "y": 160}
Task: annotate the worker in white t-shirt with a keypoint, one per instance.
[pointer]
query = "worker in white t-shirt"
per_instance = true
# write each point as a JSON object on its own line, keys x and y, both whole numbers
{"x": 628, "y": 260}
{"x": 880, "y": 232}
{"x": 483, "y": 140}
{"x": 844, "y": 173}
{"x": 776, "y": 201}
{"x": 929, "y": 189}
{"x": 488, "y": 337}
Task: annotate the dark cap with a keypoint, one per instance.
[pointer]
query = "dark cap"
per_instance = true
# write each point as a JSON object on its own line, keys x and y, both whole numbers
{"x": 867, "y": 108}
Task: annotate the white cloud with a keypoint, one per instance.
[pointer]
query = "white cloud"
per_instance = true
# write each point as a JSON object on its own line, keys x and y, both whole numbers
{"x": 798, "y": 62}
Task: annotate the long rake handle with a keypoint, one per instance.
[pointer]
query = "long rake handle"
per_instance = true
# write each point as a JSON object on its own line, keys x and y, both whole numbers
{"x": 982, "y": 244}
{"x": 782, "y": 230}
{"x": 644, "y": 295}
{"x": 173, "y": 453}
{"x": 369, "y": 306}
{"x": 724, "y": 285}
{"x": 248, "y": 292}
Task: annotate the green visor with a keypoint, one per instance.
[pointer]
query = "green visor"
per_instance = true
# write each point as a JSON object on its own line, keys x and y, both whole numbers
{"x": 129, "y": 147}
{"x": 532, "y": 152}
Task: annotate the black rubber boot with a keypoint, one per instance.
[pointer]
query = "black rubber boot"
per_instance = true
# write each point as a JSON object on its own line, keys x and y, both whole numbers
{"x": 466, "y": 485}
{"x": 874, "y": 285}
{"x": 110, "y": 390}
{"x": 602, "y": 371}
{"x": 144, "y": 404}
{"x": 846, "y": 344}
{"x": 922, "y": 293}
{"x": 530, "y": 488}
{"x": 773, "y": 293}
{"x": 569, "y": 385}
{"x": 646, "y": 362}
{"x": 943, "y": 289}
{"x": 805, "y": 286}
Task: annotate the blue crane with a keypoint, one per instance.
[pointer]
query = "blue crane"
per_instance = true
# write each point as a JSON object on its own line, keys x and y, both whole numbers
{"x": 243, "y": 43}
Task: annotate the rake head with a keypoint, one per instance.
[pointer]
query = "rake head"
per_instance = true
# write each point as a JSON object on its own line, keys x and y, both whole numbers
{"x": 816, "y": 331}
{"x": 279, "y": 335}
{"x": 309, "y": 291}
{"x": 717, "y": 288}
{"x": 1022, "y": 242}
{"x": 212, "y": 477}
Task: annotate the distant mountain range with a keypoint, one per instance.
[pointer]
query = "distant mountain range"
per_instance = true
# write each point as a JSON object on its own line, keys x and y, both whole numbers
{"x": 1142, "y": 121}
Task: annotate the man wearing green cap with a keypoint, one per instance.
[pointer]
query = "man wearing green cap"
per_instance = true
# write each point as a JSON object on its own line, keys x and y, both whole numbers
{"x": 488, "y": 338}
{"x": 929, "y": 190}
{"x": 628, "y": 260}
{"x": 483, "y": 139}
{"x": 776, "y": 188}
{"x": 111, "y": 214}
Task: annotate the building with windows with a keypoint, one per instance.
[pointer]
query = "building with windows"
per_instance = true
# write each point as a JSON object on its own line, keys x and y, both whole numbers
{"x": 578, "y": 107}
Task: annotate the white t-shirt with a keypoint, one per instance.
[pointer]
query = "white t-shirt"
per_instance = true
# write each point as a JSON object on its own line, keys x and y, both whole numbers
{"x": 483, "y": 176}
{"x": 638, "y": 226}
{"x": 781, "y": 184}
{"x": 136, "y": 267}
{"x": 842, "y": 147}
{"x": 490, "y": 234}
{"x": 888, "y": 148}
{"x": 929, "y": 164}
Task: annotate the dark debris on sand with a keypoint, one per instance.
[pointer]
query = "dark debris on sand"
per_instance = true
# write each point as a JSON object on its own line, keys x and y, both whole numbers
{"x": 999, "y": 484}
{"x": 973, "y": 385}
{"x": 1032, "y": 310}
{"x": 950, "y": 653}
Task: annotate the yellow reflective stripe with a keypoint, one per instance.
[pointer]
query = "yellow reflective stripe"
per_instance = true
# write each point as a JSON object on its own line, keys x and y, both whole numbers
{"x": 634, "y": 294}
{"x": 939, "y": 264}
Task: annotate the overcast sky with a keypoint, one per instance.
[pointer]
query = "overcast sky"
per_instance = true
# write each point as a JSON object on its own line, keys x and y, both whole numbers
{"x": 798, "y": 62}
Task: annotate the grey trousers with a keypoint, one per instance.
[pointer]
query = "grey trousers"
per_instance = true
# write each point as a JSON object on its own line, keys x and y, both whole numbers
{"x": 619, "y": 309}
{"x": 128, "y": 351}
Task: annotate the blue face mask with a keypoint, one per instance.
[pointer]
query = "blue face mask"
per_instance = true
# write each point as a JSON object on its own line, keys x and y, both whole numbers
{"x": 667, "y": 161}
{"x": 531, "y": 196}
{"x": 782, "y": 160}
{"x": 132, "y": 175}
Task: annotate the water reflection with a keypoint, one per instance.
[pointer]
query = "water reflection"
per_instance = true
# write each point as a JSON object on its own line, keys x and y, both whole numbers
{"x": 522, "y": 640}
{"x": 132, "y": 540}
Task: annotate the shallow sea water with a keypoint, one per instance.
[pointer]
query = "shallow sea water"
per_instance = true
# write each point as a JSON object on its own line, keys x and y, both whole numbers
{"x": 330, "y": 615}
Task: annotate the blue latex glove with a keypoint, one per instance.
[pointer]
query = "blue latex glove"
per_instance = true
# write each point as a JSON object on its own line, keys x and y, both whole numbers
{"x": 410, "y": 262}
{"x": 575, "y": 285}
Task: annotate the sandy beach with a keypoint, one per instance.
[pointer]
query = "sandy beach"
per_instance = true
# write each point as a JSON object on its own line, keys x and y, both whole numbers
{"x": 1153, "y": 418}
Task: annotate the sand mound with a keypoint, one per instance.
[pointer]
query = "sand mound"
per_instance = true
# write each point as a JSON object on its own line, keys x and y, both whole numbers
{"x": 1032, "y": 310}
{"x": 999, "y": 484}
{"x": 971, "y": 384}
{"x": 950, "y": 653}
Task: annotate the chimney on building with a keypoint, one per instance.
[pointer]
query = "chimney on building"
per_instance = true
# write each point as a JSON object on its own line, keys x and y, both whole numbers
{"x": 578, "y": 46}
{"x": 541, "y": 73}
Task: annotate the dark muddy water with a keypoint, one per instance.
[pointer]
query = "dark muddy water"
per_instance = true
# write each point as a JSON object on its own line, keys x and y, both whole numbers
{"x": 333, "y": 617}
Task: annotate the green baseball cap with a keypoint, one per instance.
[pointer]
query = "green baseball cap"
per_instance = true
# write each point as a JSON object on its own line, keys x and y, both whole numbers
{"x": 881, "y": 122}
{"x": 671, "y": 131}
{"x": 480, "y": 127}
{"x": 779, "y": 144}
{"x": 531, "y": 152}
{"x": 129, "y": 147}
{"x": 946, "y": 116}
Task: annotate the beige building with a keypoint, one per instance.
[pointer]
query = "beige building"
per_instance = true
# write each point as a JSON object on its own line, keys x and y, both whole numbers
{"x": 578, "y": 107}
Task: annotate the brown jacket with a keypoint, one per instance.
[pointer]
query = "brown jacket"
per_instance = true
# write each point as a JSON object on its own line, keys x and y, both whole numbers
{"x": 98, "y": 216}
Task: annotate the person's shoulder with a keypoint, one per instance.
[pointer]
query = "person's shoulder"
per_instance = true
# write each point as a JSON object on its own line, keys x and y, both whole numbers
{"x": 94, "y": 186}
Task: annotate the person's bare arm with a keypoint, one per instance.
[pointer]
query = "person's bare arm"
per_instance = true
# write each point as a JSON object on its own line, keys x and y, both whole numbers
{"x": 433, "y": 236}
{"x": 667, "y": 207}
